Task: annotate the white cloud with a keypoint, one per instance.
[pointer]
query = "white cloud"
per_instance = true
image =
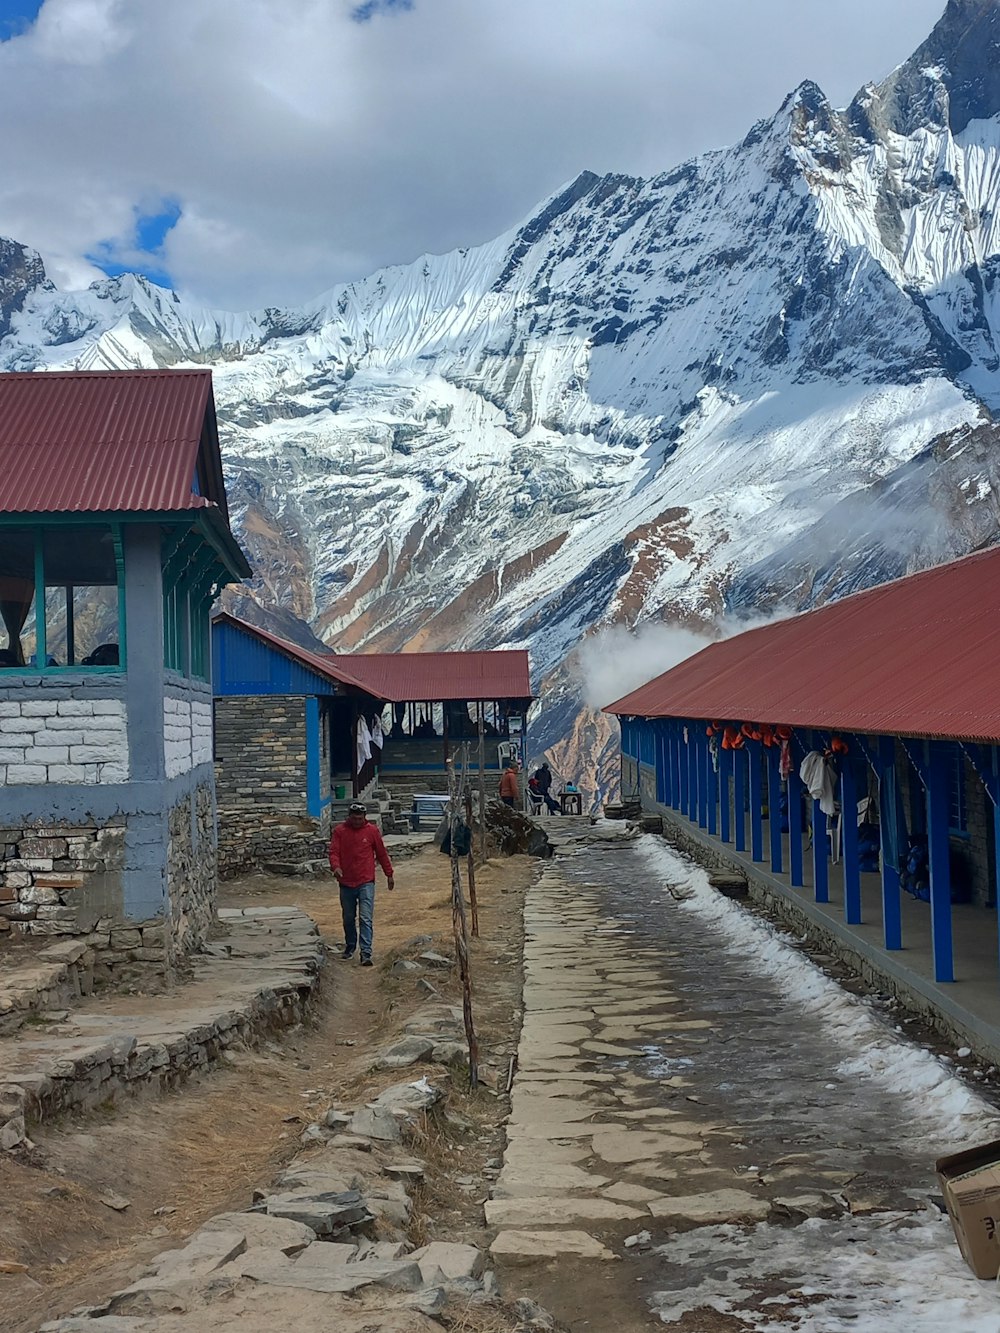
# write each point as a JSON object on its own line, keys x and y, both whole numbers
{"x": 306, "y": 148}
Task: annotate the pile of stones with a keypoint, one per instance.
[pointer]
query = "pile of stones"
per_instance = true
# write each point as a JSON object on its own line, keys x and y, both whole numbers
{"x": 324, "y": 1248}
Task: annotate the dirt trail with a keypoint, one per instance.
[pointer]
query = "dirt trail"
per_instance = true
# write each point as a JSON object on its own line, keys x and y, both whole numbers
{"x": 180, "y": 1158}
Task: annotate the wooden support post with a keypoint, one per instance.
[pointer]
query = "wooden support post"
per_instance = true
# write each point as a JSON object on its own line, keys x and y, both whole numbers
{"x": 691, "y": 758}
{"x": 756, "y": 802}
{"x": 701, "y": 750}
{"x": 849, "y": 829}
{"x": 821, "y": 855}
{"x": 938, "y": 853}
{"x": 740, "y": 798}
{"x": 772, "y": 757}
{"x": 795, "y": 830}
{"x": 725, "y": 772}
{"x": 890, "y": 847}
{"x": 712, "y": 788}
{"x": 482, "y": 788}
{"x": 471, "y": 867}
{"x": 461, "y": 932}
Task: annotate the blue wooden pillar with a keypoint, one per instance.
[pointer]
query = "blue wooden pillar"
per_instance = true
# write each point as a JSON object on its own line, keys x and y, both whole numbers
{"x": 740, "y": 797}
{"x": 692, "y": 762}
{"x": 821, "y": 856}
{"x": 702, "y": 747}
{"x": 890, "y": 842}
{"x": 679, "y": 768}
{"x": 938, "y": 860}
{"x": 314, "y": 800}
{"x": 849, "y": 827}
{"x": 756, "y": 801}
{"x": 772, "y": 756}
{"x": 659, "y": 760}
{"x": 795, "y": 829}
{"x": 712, "y": 787}
{"x": 725, "y": 773}
{"x": 684, "y": 772}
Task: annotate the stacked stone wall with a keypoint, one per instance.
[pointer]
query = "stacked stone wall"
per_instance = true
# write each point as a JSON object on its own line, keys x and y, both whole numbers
{"x": 66, "y": 880}
{"x": 187, "y": 730}
{"x": 191, "y": 870}
{"x": 261, "y": 784}
{"x": 68, "y": 738}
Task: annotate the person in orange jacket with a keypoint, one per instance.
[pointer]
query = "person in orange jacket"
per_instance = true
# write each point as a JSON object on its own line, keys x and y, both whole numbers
{"x": 355, "y": 846}
{"x": 510, "y": 788}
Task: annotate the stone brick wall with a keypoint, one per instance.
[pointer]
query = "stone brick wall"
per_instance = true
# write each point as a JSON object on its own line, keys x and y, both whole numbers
{"x": 260, "y": 783}
{"x": 260, "y": 753}
{"x": 191, "y": 870}
{"x": 62, "y": 738}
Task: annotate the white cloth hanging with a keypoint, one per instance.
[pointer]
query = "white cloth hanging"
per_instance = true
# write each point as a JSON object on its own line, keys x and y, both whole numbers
{"x": 377, "y": 738}
{"x": 817, "y": 772}
{"x": 364, "y": 743}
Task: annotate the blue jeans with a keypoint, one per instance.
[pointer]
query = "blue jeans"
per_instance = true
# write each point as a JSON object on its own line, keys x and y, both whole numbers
{"x": 355, "y": 902}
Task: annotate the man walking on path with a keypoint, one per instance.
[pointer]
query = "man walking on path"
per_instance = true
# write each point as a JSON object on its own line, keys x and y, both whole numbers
{"x": 354, "y": 848}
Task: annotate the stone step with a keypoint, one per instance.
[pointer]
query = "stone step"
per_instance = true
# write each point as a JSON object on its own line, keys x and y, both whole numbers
{"x": 36, "y": 982}
{"x": 256, "y": 979}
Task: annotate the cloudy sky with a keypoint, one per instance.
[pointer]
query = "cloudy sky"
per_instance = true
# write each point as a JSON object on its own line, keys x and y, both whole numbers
{"x": 256, "y": 152}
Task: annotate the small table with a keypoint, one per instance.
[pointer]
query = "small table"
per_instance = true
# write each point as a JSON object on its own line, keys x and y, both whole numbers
{"x": 571, "y": 803}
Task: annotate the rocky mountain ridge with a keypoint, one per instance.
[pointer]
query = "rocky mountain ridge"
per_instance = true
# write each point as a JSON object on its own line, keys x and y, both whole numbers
{"x": 763, "y": 378}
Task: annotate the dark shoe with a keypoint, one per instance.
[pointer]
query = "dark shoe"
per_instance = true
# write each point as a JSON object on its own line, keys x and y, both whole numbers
{"x": 348, "y": 953}
{"x": 366, "y": 962}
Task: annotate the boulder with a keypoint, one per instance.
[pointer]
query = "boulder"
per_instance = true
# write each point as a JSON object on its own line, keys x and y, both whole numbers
{"x": 376, "y": 1122}
{"x": 451, "y": 1260}
{"x": 327, "y": 1214}
{"x": 406, "y": 1051}
{"x": 405, "y": 1099}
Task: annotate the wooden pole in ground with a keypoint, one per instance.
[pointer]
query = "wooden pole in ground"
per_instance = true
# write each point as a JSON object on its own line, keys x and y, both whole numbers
{"x": 460, "y": 930}
{"x": 471, "y": 864}
{"x": 482, "y": 787}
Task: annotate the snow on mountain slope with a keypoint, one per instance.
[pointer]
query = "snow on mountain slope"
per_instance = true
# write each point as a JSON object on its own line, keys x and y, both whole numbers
{"x": 652, "y": 400}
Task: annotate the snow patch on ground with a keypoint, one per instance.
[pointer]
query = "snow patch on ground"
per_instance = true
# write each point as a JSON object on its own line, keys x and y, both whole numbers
{"x": 938, "y": 1101}
{"x": 892, "y": 1274}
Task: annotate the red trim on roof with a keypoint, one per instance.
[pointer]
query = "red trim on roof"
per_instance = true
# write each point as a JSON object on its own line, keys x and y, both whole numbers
{"x": 915, "y": 657}
{"x": 101, "y": 441}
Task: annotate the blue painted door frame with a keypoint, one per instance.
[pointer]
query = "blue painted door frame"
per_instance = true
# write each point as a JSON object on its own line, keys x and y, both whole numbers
{"x": 772, "y": 756}
{"x": 740, "y": 797}
{"x": 756, "y": 801}
{"x": 795, "y": 790}
{"x": 880, "y": 751}
{"x": 725, "y": 794}
{"x": 930, "y": 760}
{"x": 849, "y": 832}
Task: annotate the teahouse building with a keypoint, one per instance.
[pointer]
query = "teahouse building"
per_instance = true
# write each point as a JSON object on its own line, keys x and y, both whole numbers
{"x": 300, "y": 732}
{"x": 114, "y": 541}
{"x": 847, "y": 761}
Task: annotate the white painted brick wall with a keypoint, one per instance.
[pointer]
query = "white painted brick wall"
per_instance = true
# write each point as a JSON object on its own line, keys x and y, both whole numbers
{"x": 201, "y": 732}
{"x": 176, "y": 736}
{"x": 66, "y": 740}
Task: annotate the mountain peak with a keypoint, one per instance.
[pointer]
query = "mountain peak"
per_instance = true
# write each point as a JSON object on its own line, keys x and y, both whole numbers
{"x": 951, "y": 79}
{"x": 21, "y": 272}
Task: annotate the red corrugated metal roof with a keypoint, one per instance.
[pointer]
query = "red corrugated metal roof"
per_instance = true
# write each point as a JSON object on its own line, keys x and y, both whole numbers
{"x": 434, "y": 677}
{"x": 411, "y": 677}
{"x": 101, "y": 441}
{"x": 916, "y": 657}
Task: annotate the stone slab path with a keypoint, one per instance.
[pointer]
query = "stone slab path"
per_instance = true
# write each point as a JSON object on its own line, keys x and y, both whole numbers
{"x": 670, "y": 1099}
{"x": 256, "y": 979}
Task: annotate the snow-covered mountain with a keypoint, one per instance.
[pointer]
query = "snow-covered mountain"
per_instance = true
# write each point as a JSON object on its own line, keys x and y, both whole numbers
{"x": 759, "y": 379}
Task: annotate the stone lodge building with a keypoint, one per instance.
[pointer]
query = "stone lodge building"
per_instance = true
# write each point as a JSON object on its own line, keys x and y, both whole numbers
{"x": 114, "y": 542}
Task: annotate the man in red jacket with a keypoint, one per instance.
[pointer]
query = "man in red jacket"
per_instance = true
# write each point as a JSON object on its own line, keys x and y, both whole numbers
{"x": 354, "y": 848}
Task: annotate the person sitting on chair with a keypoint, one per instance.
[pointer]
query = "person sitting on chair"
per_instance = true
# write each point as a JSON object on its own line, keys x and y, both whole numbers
{"x": 542, "y": 779}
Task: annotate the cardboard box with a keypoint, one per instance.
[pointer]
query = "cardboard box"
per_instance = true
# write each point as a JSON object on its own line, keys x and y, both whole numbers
{"x": 970, "y": 1182}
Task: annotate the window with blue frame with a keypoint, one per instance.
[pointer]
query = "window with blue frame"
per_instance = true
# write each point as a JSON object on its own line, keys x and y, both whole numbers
{"x": 62, "y": 597}
{"x": 191, "y": 578}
